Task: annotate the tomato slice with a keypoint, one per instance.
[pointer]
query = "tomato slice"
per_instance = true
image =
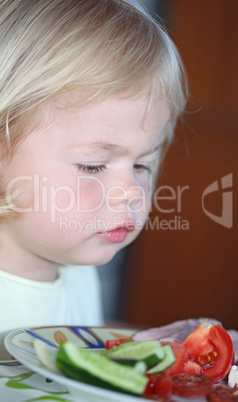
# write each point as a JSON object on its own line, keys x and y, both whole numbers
{"x": 211, "y": 347}
{"x": 159, "y": 385}
{"x": 150, "y": 388}
{"x": 181, "y": 356}
{"x": 115, "y": 342}
{"x": 192, "y": 368}
{"x": 163, "y": 387}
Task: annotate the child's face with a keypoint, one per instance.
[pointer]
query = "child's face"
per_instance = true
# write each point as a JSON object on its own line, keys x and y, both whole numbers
{"x": 83, "y": 181}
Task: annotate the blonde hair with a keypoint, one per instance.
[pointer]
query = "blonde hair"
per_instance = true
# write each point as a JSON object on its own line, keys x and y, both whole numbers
{"x": 95, "y": 48}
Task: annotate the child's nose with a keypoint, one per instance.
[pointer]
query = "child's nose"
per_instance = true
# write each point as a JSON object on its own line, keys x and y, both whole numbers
{"x": 134, "y": 196}
{"x": 129, "y": 195}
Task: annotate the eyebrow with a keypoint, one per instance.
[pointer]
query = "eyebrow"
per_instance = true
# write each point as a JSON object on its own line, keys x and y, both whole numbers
{"x": 119, "y": 149}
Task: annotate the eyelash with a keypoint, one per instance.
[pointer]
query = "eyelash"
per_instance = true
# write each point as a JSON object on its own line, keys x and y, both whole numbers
{"x": 92, "y": 168}
{"x": 144, "y": 167}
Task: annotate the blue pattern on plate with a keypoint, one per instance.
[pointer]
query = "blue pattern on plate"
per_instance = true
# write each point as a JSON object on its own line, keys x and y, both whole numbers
{"x": 32, "y": 333}
{"x": 89, "y": 337}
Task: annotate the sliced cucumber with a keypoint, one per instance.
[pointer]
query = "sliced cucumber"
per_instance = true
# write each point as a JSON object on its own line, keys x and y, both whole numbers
{"x": 167, "y": 362}
{"x": 46, "y": 355}
{"x": 93, "y": 368}
{"x": 138, "y": 365}
{"x": 150, "y": 352}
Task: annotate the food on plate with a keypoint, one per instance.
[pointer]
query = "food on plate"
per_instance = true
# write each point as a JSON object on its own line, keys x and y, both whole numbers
{"x": 181, "y": 358}
{"x": 211, "y": 348}
{"x": 46, "y": 355}
{"x": 191, "y": 385}
{"x": 234, "y": 337}
{"x": 150, "y": 353}
{"x": 174, "y": 332}
{"x": 179, "y": 330}
{"x": 222, "y": 393}
{"x": 96, "y": 369}
{"x": 169, "y": 360}
{"x": 233, "y": 377}
{"x": 154, "y": 369}
{"x": 115, "y": 342}
{"x": 158, "y": 386}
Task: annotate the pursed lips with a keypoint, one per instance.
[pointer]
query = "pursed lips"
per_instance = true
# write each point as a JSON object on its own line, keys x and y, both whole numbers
{"x": 118, "y": 234}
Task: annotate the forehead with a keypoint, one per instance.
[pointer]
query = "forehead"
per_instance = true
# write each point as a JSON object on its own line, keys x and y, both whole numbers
{"x": 119, "y": 119}
{"x": 115, "y": 112}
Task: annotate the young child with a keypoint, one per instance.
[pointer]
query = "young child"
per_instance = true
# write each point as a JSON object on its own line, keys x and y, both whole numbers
{"x": 90, "y": 93}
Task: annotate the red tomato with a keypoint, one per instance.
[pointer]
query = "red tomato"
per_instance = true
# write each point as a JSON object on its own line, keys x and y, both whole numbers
{"x": 211, "y": 347}
{"x": 181, "y": 356}
{"x": 150, "y": 388}
{"x": 192, "y": 367}
{"x": 158, "y": 385}
{"x": 163, "y": 387}
{"x": 115, "y": 342}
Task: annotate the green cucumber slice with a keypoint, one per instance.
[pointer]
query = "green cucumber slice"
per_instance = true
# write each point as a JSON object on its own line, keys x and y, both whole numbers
{"x": 46, "y": 355}
{"x": 138, "y": 365}
{"x": 150, "y": 352}
{"x": 167, "y": 362}
{"x": 96, "y": 369}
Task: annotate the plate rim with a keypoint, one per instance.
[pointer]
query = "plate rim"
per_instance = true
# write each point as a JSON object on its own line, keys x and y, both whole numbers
{"x": 61, "y": 378}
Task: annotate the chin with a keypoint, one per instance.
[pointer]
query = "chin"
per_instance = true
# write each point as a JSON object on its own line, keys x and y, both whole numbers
{"x": 103, "y": 260}
{"x": 105, "y": 256}
{"x": 99, "y": 258}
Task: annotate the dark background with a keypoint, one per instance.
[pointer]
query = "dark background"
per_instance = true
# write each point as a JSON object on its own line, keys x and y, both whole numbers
{"x": 171, "y": 274}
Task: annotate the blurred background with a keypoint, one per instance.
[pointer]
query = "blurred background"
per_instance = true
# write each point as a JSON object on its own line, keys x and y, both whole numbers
{"x": 187, "y": 267}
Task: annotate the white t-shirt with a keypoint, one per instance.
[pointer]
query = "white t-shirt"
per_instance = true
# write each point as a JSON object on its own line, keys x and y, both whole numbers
{"x": 74, "y": 298}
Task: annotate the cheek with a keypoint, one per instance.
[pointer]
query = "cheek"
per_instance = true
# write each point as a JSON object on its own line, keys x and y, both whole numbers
{"x": 90, "y": 194}
{"x": 40, "y": 235}
{"x": 20, "y": 191}
{"x": 35, "y": 194}
{"x": 79, "y": 201}
{"x": 83, "y": 194}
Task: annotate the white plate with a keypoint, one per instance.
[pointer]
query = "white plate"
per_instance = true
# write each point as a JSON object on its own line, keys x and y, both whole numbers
{"x": 20, "y": 345}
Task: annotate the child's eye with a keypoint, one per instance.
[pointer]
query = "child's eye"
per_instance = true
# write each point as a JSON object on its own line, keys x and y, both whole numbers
{"x": 141, "y": 167}
{"x": 91, "y": 168}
